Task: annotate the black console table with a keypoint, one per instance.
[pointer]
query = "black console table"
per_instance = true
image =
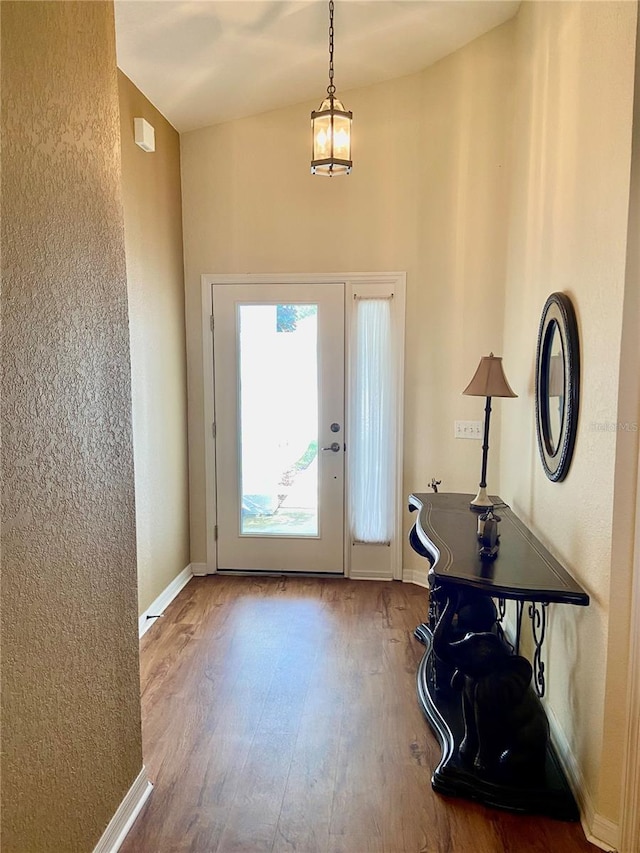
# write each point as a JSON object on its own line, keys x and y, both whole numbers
{"x": 467, "y": 648}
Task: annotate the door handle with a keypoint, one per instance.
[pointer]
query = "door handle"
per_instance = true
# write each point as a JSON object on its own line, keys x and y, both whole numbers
{"x": 335, "y": 447}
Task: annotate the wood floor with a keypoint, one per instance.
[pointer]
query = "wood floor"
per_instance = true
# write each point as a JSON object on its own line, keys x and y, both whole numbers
{"x": 280, "y": 715}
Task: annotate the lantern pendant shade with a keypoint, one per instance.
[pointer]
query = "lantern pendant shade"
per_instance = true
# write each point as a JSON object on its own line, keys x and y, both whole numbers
{"x": 331, "y": 135}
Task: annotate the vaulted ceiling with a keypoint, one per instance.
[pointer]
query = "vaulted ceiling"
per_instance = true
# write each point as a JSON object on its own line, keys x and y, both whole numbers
{"x": 202, "y": 62}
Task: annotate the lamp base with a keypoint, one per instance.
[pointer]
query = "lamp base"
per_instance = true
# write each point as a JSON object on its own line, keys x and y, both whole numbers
{"x": 482, "y": 501}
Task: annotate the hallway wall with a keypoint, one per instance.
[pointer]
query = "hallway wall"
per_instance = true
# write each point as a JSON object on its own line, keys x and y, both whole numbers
{"x": 567, "y": 226}
{"x": 70, "y": 673}
{"x": 155, "y": 283}
{"x": 428, "y": 195}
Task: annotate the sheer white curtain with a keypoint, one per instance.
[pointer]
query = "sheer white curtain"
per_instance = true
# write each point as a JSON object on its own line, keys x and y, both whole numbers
{"x": 372, "y": 423}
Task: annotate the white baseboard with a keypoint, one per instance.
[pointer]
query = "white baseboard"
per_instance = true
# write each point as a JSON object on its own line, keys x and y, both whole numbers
{"x": 125, "y": 815}
{"x": 601, "y": 831}
{"x": 420, "y": 577}
{"x": 369, "y": 576}
{"x": 199, "y": 569}
{"x": 164, "y": 599}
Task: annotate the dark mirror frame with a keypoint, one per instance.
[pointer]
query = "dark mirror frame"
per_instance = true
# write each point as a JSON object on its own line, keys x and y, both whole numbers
{"x": 556, "y": 456}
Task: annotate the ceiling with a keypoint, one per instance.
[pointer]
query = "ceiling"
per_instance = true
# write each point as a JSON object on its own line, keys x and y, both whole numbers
{"x": 201, "y": 62}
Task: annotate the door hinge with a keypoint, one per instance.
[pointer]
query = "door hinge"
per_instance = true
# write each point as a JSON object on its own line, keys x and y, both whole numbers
{"x": 213, "y": 429}
{"x": 211, "y": 322}
{"x": 215, "y": 532}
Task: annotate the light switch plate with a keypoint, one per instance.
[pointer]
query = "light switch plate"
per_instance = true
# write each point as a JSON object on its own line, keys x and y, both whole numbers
{"x": 468, "y": 429}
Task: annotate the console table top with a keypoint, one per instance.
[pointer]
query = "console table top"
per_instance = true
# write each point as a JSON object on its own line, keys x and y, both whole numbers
{"x": 523, "y": 570}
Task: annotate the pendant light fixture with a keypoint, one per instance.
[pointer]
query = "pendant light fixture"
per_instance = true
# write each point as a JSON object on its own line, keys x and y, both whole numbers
{"x": 331, "y": 127}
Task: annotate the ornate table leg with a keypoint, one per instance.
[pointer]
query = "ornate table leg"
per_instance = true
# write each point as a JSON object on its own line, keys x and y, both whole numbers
{"x": 495, "y": 753}
{"x": 538, "y": 616}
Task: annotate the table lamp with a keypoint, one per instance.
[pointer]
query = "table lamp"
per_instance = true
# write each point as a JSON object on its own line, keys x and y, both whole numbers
{"x": 488, "y": 381}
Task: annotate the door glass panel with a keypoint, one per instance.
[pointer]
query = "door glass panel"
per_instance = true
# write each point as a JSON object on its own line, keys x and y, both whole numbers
{"x": 278, "y": 420}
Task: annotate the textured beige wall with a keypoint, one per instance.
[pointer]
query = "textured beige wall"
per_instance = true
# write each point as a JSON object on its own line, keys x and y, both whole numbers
{"x": 428, "y": 195}
{"x": 70, "y": 679}
{"x": 155, "y": 276}
{"x": 567, "y": 232}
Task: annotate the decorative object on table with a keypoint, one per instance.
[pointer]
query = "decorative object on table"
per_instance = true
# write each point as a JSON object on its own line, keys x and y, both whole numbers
{"x": 557, "y": 385}
{"x": 331, "y": 127}
{"x": 488, "y": 381}
{"x": 505, "y": 727}
{"x": 488, "y": 535}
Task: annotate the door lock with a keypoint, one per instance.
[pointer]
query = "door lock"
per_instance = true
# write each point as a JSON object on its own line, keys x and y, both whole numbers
{"x": 335, "y": 447}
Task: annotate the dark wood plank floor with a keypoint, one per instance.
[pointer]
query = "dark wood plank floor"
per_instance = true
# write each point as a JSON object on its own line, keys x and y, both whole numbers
{"x": 279, "y": 714}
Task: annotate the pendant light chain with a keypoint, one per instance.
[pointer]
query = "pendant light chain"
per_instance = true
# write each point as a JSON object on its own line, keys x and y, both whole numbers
{"x": 331, "y": 126}
{"x": 331, "y": 89}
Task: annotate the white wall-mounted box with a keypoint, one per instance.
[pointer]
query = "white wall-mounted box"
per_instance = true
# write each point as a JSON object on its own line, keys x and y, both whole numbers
{"x": 145, "y": 135}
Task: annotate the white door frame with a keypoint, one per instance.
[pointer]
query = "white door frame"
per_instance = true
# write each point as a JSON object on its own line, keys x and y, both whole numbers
{"x": 630, "y": 816}
{"x": 360, "y": 281}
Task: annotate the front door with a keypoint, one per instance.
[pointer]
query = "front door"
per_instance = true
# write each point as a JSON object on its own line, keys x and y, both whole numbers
{"x": 279, "y": 410}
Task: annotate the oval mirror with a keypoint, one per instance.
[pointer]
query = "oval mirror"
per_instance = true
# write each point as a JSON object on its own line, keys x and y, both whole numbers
{"x": 557, "y": 385}
{"x": 554, "y": 377}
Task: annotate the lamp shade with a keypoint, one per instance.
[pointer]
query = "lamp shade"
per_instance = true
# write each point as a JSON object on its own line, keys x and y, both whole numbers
{"x": 489, "y": 379}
